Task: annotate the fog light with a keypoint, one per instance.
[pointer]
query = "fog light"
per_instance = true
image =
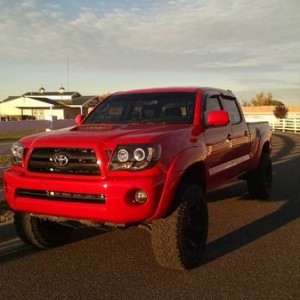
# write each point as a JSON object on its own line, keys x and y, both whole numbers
{"x": 140, "y": 196}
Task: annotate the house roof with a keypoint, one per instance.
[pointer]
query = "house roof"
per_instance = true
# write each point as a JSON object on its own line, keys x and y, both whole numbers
{"x": 82, "y": 100}
{"x": 47, "y": 100}
{"x": 78, "y": 100}
{"x": 10, "y": 98}
{"x": 38, "y": 94}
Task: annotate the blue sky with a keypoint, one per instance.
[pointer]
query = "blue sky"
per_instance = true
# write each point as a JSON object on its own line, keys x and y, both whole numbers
{"x": 93, "y": 47}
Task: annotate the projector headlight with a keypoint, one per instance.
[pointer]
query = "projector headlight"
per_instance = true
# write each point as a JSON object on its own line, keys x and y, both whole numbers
{"x": 122, "y": 155}
{"x": 17, "y": 154}
{"x": 135, "y": 157}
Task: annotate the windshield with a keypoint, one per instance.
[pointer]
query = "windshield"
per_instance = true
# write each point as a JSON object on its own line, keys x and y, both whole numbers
{"x": 167, "y": 108}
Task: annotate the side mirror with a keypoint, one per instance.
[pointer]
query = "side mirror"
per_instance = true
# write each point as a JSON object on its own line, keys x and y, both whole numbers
{"x": 218, "y": 118}
{"x": 79, "y": 119}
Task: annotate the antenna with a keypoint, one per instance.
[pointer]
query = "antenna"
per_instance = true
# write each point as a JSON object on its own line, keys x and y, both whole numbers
{"x": 68, "y": 77}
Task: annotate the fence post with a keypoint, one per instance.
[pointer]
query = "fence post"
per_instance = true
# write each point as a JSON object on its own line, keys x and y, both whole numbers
{"x": 271, "y": 125}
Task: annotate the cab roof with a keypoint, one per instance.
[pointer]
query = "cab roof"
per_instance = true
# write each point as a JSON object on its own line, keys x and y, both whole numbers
{"x": 175, "y": 89}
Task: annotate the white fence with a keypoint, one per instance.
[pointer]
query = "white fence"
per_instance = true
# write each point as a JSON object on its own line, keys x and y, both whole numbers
{"x": 286, "y": 125}
{"x": 291, "y": 124}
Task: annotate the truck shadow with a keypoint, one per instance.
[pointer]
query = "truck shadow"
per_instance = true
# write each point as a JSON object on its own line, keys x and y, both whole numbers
{"x": 232, "y": 241}
{"x": 286, "y": 189}
{"x": 23, "y": 250}
{"x": 279, "y": 152}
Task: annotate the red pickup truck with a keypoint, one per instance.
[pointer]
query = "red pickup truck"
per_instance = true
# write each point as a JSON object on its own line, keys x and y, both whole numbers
{"x": 142, "y": 157}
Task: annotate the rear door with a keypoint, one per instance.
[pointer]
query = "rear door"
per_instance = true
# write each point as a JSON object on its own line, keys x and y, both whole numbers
{"x": 240, "y": 135}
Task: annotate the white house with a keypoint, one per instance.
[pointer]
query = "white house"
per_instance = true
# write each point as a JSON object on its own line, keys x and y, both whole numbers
{"x": 46, "y": 105}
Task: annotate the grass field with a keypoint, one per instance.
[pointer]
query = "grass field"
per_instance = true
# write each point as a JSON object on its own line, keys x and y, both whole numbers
{"x": 4, "y": 160}
{"x": 12, "y": 136}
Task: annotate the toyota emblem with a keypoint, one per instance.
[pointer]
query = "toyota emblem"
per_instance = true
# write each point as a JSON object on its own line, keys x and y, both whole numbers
{"x": 61, "y": 160}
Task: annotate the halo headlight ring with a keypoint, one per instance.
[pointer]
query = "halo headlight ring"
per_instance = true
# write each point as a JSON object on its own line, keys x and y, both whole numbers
{"x": 123, "y": 155}
{"x": 139, "y": 154}
{"x": 135, "y": 157}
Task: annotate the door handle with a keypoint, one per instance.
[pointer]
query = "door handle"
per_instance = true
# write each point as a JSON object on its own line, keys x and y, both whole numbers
{"x": 229, "y": 137}
{"x": 246, "y": 133}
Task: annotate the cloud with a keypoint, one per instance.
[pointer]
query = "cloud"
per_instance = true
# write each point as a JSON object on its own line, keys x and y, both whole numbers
{"x": 28, "y": 3}
{"x": 195, "y": 28}
{"x": 208, "y": 36}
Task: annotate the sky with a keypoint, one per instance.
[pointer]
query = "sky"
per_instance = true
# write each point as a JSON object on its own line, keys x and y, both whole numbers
{"x": 95, "y": 47}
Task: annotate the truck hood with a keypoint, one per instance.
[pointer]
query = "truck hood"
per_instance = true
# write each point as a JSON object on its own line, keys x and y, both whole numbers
{"x": 107, "y": 135}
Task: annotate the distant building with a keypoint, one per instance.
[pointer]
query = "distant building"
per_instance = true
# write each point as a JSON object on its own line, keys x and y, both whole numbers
{"x": 43, "y": 105}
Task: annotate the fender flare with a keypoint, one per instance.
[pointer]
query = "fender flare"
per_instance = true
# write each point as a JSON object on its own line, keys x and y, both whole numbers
{"x": 262, "y": 145}
{"x": 178, "y": 167}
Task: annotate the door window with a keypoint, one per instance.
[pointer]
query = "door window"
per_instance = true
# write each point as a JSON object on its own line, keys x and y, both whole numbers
{"x": 211, "y": 104}
{"x": 234, "y": 113}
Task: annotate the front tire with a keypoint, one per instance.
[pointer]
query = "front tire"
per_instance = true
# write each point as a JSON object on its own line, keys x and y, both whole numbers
{"x": 178, "y": 241}
{"x": 40, "y": 233}
{"x": 259, "y": 182}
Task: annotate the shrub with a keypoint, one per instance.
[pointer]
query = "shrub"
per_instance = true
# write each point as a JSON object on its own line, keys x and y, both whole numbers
{"x": 280, "y": 111}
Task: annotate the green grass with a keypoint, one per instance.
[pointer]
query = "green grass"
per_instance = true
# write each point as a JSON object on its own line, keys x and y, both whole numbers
{"x": 13, "y": 136}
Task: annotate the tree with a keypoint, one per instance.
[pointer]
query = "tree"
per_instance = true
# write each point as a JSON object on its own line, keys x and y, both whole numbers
{"x": 280, "y": 111}
{"x": 246, "y": 103}
{"x": 264, "y": 100}
{"x": 103, "y": 96}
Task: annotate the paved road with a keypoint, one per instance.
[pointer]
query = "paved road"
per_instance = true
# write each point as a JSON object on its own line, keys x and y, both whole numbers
{"x": 253, "y": 252}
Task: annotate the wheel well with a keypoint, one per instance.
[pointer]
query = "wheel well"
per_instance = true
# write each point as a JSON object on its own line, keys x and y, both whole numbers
{"x": 266, "y": 149}
{"x": 195, "y": 174}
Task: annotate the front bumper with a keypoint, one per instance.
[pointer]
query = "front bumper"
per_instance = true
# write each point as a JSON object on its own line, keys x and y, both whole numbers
{"x": 77, "y": 198}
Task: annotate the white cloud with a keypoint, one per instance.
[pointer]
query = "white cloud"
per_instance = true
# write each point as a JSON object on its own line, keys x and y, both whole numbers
{"x": 28, "y": 3}
{"x": 177, "y": 35}
{"x": 196, "y": 28}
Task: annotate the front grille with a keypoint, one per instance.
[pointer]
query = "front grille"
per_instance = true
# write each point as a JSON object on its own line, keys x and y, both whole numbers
{"x": 72, "y": 161}
{"x": 62, "y": 196}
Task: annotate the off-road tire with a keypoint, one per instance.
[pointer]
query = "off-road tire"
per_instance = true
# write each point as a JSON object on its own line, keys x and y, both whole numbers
{"x": 40, "y": 233}
{"x": 178, "y": 241}
{"x": 259, "y": 182}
